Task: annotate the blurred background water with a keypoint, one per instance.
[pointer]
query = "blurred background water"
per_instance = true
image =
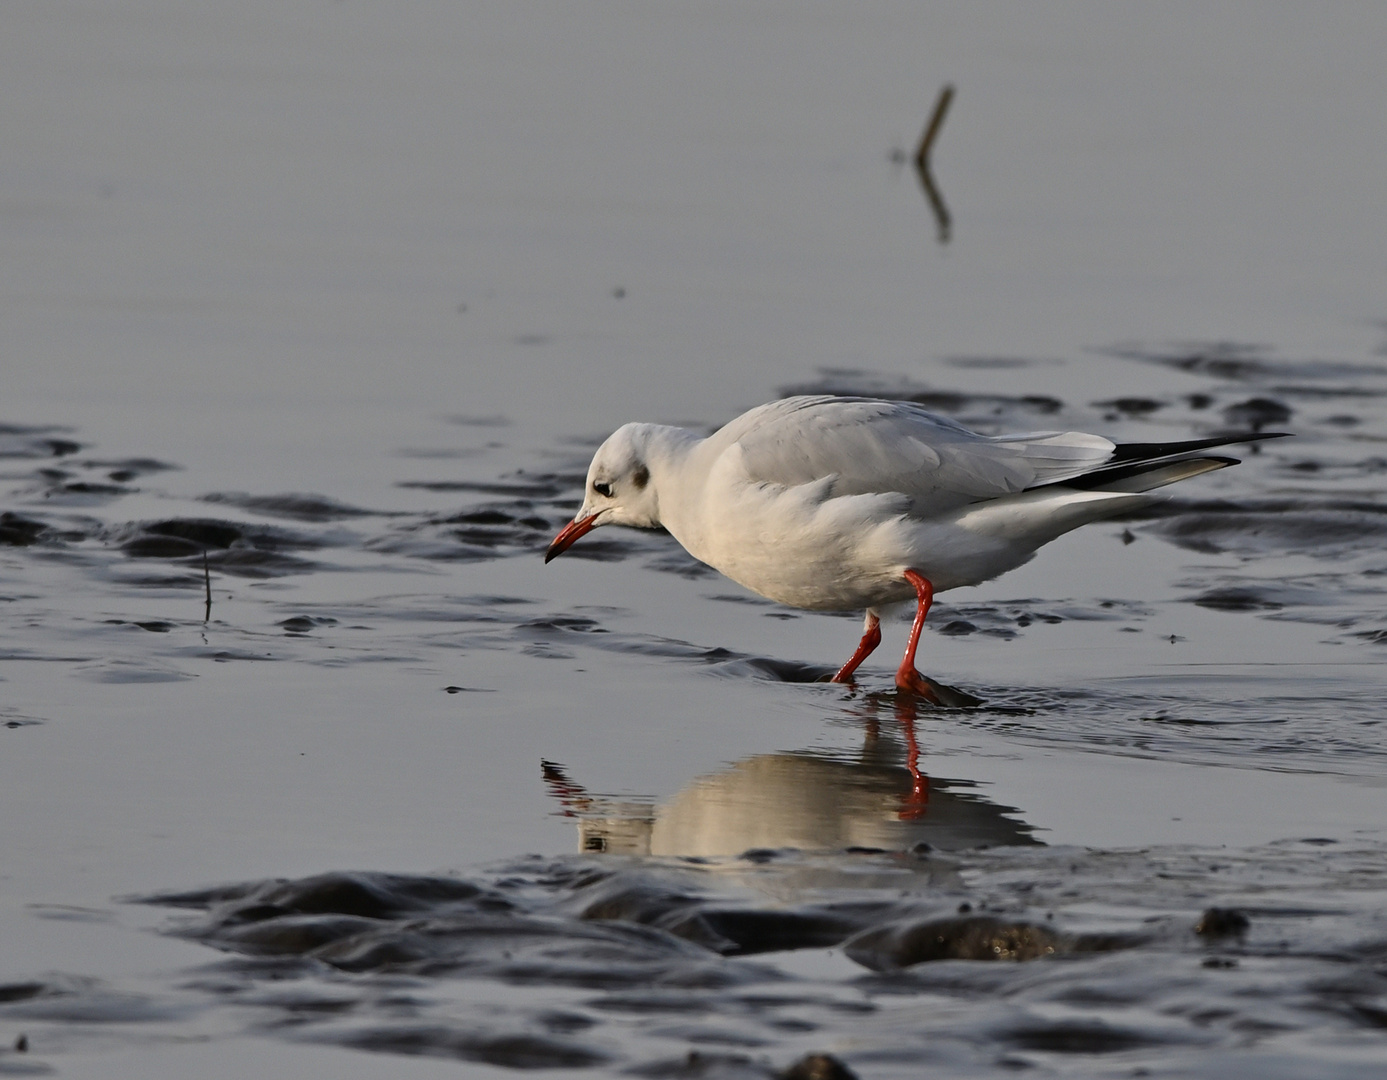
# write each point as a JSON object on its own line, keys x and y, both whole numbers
{"x": 339, "y": 297}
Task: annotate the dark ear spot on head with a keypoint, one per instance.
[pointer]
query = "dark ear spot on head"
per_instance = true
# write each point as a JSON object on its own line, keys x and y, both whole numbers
{"x": 640, "y": 477}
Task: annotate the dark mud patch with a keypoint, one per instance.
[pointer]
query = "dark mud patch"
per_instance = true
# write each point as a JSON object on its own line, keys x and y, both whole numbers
{"x": 1233, "y": 598}
{"x": 490, "y": 530}
{"x": 1317, "y": 527}
{"x": 973, "y": 937}
{"x": 600, "y": 925}
{"x": 243, "y": 550}
{"x": 17, "y": 531}
{"x": 518, "y": 1050}
{"x": 69, "y": 481}
{"x": 75, "y": 999}
{"x": 641, "y": 965}
{"x": 1131, "y": 407}
{"x": 1257, "y": 414}
{"x": 765, "y": 667}
{"x": 1245, "y": 362}
{"x": 530, "y": 487}
{"x": 153, "y": 626}
{"x": 124, "y": 470}
{"x": 304, "y": 624}
{"x": 293, "y": 507}
{"x": 21, "y": 441}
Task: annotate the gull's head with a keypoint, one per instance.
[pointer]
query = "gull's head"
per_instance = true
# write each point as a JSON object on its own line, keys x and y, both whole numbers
{"x": 618, "y": 489}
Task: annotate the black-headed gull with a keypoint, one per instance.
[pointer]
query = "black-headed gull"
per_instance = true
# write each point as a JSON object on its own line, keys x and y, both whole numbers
{"x": 844, "y": 503}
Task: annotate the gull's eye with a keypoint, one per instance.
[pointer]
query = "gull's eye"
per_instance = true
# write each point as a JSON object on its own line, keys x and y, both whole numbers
{"x": 602, "y": 488}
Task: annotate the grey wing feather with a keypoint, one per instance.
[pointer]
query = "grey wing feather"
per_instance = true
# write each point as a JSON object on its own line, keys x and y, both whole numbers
{"x": 872, "y": 446}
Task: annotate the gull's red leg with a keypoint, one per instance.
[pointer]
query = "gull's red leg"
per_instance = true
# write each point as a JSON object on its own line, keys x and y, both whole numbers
{"x": 907, "y": 678}
{"x": 871, "y": 638}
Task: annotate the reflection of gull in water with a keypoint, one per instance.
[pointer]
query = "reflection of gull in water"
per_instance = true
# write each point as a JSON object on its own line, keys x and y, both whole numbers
{"x": 801, "y": 800}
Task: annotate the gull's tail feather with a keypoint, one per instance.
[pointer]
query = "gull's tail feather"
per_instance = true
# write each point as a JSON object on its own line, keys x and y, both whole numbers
{"x": 1137, "y": 467}
{"x": 1041, "y": 513}
{"x": 1148, "y": 475}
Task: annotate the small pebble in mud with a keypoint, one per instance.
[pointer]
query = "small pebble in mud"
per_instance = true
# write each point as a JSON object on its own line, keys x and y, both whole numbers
{"x": 1257, "y": 413}
{"x": 970, "y": 937}
{"x": 818, "y": 1067}
{"x": 1130, "y": 406}
{"x": 1221, "y": 922}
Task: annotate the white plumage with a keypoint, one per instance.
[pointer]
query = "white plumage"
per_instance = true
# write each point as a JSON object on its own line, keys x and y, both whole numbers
{"x": 842, "y": 503}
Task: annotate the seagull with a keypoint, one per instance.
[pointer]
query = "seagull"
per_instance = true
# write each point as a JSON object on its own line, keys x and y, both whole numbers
{"x": 830, "y": 503}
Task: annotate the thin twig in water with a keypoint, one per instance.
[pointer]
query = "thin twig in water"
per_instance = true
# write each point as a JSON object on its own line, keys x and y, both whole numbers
{"x": 207, "y": 580}
{"x": 922, "y": 169}
{"x": 936, "y": 121}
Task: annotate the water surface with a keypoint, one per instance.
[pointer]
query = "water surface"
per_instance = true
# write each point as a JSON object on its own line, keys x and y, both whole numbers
{"x": 318, "y": 314}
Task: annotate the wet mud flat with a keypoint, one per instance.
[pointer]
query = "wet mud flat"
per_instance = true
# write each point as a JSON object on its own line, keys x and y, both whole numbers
{"x": 855, "y": 882}
{"x": 1063, "y": 961}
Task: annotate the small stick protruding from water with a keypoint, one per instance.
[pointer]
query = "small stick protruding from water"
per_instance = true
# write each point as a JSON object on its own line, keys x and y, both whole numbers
{"x": 942, "y": 219}
{"x": 936, "y": 121}
{"x": 922, "y": 159}
{"x": 922, "y": 170}
{"x": 207, "y": 580}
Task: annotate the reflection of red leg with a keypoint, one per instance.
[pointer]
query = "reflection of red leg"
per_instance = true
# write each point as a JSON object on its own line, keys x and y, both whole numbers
{"x": 907, "y": 678}
{"x": 917, "y": 803}
{"x": 572, "y": 797}
{"x": 871, "y": 638}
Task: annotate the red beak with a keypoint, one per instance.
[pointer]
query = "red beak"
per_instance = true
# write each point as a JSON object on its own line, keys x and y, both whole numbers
{"x": 576, "y": 528}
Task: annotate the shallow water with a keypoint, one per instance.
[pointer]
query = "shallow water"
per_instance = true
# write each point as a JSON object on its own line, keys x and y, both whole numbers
{"x": 305, "y": 756}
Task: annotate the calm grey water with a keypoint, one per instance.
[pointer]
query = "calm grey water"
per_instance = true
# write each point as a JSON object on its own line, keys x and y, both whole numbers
{"x": 324, "y": 307}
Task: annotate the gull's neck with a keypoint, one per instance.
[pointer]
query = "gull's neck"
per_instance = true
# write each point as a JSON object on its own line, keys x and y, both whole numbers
{"x": 676, "y": 477}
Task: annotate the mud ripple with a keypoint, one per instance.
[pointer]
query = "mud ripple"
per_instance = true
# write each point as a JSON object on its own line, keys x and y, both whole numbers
{"x": 644, "y": 964}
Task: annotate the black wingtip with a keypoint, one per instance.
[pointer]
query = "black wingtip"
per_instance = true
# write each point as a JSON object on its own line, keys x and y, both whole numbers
{"x": 1125, "y": 453}
{"x": 1137, "y": 459}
